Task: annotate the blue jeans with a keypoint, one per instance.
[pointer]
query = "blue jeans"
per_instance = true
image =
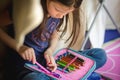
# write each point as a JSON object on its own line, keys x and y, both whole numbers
{"x": 37, "y": 76}
{"x": 97, "y": 54}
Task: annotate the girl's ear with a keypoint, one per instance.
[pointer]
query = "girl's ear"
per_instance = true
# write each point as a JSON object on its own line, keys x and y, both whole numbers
{"x": 27, "y": 15}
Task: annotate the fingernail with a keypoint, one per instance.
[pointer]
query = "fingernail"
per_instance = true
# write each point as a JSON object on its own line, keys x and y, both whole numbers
{"x": 49, "y": 63}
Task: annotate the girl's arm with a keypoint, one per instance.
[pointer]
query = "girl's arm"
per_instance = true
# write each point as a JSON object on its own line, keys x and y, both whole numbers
{"x": 7, "y": 40}
{"x": 4, "y": 37}
{"x": 48, "y": 54}
{"x": 54, "y": 40}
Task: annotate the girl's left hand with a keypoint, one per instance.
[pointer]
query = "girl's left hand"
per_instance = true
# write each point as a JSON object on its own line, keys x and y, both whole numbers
{"x": 50, "y": 60}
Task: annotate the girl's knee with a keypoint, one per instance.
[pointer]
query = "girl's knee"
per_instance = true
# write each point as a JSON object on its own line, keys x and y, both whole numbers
{"x": 100, "y": 57}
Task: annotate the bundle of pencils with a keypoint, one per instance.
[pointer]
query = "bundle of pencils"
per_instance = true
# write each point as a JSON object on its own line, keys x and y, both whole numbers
{"x": 67, "y": 63}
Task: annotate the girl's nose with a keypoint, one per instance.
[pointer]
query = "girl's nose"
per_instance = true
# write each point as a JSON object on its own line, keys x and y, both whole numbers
{"x": 59, "y": 15}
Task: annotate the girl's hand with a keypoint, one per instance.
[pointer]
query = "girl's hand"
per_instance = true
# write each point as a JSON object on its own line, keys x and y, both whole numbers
{"x": 50, "y": 60}
{"x": 27, "y": 53}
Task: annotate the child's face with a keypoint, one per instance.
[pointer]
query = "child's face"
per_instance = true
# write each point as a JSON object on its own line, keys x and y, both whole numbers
{"x": 57, "y": 10}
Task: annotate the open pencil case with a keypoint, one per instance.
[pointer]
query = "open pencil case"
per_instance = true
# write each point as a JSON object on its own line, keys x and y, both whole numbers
{"x": 71, "y": 65}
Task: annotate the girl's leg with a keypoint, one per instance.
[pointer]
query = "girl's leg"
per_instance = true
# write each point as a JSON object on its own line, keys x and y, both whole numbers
{"x": 98, "y": 55}
{"x": 36, "y": 76}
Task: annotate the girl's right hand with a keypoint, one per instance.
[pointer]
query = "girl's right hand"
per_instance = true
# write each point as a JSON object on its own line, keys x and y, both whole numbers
{"x": 27, "y": 53}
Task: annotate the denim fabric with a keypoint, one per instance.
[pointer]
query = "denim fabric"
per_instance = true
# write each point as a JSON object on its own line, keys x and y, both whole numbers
{"x": 99, "y": 55}
{"x": 37, "y": 76}
{"x": 94, "y": 76}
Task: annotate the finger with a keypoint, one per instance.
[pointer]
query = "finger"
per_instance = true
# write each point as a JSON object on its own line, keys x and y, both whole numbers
{"x": 50, "y": 62}
{"x": 54, "y": 68}
{"x": 29, "y": 54}
{"x": 26, "y": 55}
{"x": 23, "y": 56}
{"x": 47, "y": 58}
{"x": 54, "y": 64}
{"x": 33, "y": 58}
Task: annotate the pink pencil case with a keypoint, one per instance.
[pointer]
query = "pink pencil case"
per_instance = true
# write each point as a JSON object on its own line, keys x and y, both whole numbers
{"x": 72, "y": 65}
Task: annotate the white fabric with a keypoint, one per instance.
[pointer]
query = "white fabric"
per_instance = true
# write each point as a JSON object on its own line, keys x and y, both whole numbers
{"x": 98, "y": 29}
{"x": 103, "y": 21}
{"x": 113, "y": 7}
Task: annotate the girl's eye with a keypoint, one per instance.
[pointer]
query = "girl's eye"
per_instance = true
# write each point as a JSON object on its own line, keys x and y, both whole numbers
{"x": 57, "y": 9}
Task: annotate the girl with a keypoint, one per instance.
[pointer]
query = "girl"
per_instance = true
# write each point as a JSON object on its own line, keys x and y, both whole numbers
{"x": 40, "y": 43}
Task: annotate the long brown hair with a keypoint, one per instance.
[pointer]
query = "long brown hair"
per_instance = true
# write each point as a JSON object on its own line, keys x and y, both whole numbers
{"x": 76, "y": 26}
